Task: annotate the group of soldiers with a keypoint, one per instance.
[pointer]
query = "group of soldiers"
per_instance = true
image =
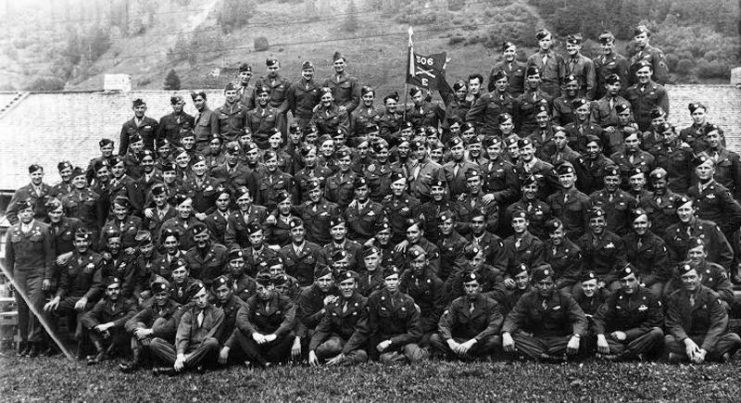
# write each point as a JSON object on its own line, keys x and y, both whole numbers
{"x": 557, "y": 215}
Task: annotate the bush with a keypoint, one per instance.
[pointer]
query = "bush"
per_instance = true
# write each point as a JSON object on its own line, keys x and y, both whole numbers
{"x": 454, "y": 40}
{"x": 261, "y": 44}
{"x": 684, "y": 67}
{"x": 234, "y": 14}
{"x": 714, "y": 69}
{"x": 351, "y": 19}
{"x": 46, "y": 84}
{"x": 671, "y": 61}
{"x": 172, "y": 81}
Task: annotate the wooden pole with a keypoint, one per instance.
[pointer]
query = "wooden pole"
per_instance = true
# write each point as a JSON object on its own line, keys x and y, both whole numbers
{"x": 39, "y": 316}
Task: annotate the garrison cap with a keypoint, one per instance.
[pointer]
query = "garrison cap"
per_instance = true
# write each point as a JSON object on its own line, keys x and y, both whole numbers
{"x": 178, "y": 199}
{"x": 612, "y": 79}
{"x": 335, "y": 221}
{"x": 105, "y": 142}
{"x": 143, "y": 237}
{"x": 221, "y": 281}
{"x": 574, "y": 39}
{"x": 471, "y": 251}
{"x": 271, "y": 61}
{"x": 596, "y": 212}
{"x": 565, "y": 168}
{"x": 235, "y": 254}
{"x": 541, "y": 34}
{"x": 470, "y": 277}
{"x": 553, "y": 224}
{"x": 391, "y": 270}
{"x": 322, "y": 270}
{"x": 198, "y": 228}
{"x": 587, "y": 275}
{"x": 579, "y": 102}
{"x": 158, "y": 287}
{"x": 532, "y": 71}
{"x": 500, "y": 74}
{"x": 348, "y": 274}
{"x": 542, "y": 273}
{"x": 110, "y": 280}
{"x": 606, "y": 37}
{"x": 622, "y": 107}
{"x": 693, "y": 106}
{"x": 641, "y": 29}
{"x": 138, "y": 102}
{"x": 295, "y": 223}
{"x": 307, "y": 65}
{"x": 626, "y": 271}
{"x": 245, "y": 67}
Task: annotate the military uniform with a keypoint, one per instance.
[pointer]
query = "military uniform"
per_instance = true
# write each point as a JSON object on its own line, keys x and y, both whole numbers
{"x": 617, "y": 207}
{"x": 452, "y": 260}
{"x": 541, "y": 325}
{"x": 362, "y": 220}
{"x": 653, "y": 56}
{"x": 594, "y": 173}
{"x": 270, "y": 185}
{"x": 301, "y": 264}
{"x": 713, "y": 202}
{"x": 428, "y": 294}
{"x": 378, "y": 177}
{"x": 551, "y": 68}
{"x": 563, "y": 110}
{"x": 603, "y": 113}
{"x": 604, "y": 66}
{"x": 515, "y": 72}
{"x": 467, "y": 318}
{"x": 699, "y": 316}
{"x": 394, "y": 317}
{"x": 204, "y": 194}
{"x": 427, "y": 114}
{"x": 583, "y": 69}
{"x": 206, "y": 127}
{"x": 238, "y": 223}
{"x": 389, "y": 125}
{"x": 146, "y": 128}
{"x": 206, "y": 267}
{"x": 37, "y": 197}
{"x": 678, "y": 238}
{"x": 316, "y": 217}
{"x": 566, "y": 261}
{"x": 328, "y": 120}
{"x": 499, "y": 179}
{"x": 127, "y": 228}
{"x": 650, "y": 257}
{"x": 343, "y": 329}
{"x": 401, "y": 213}
{"x": 604, "y": 255}
{"x": 345, "y": 90}
{"x": 118, "y": 312}
{"x": 528, "y": 107}
{"x": 360, "y": 118}
{"x": 123, "y": 267}
{"x": 662, "y": 210}
{"x": 182, "y": 226}
{"x": 572, "y": 207}
{"x": 216, "y": 223}
{"x": 676, "y": 159}
{"x": 639, "y": 315}
{"x": 235, "y": 176}
{"x": 484, "y": 113}
{"x": 644, "y": 99}
{"x": 261, "y": 122}
{"x": 277, "y": 316}
{"x": 303, "y": 96}
{"x": 339, "y": 188}
{"x": 527, "y": 250}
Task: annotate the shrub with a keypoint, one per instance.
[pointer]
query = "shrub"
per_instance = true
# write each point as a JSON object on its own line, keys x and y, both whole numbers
{"x": 172, "y": 81}
{"x": 46, "y": 84}
{"x": 234, "y": 14}
{"x": 684, "y": 67}
{"x": 714, "y": 69}
{"x": 261, "y": 44}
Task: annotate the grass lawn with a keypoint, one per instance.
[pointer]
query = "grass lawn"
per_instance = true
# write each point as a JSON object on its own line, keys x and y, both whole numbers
{"x": 55, "y": 379}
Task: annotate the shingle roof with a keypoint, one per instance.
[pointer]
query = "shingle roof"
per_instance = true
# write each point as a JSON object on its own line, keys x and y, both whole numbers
{"x": 46, "y": 128}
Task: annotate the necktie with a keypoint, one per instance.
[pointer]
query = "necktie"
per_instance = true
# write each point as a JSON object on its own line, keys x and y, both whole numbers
{"x": 612, "y": 197}
{"x": 545, "y": 305}
{"x": 344, "y": 307}
{"x": 545, "y": 59}
{"x": 200, "y": 318}
{"x": 456, "y": 168}
{"x": 640, "y": 243}
{"x": 692, "y": 300}
{"x": 471, "y": 308}
{"x": 612, "y": 103}
{"x": 565, "y": 198}
{"x": 518, "y": 243}
{"x": 416, "y": 171}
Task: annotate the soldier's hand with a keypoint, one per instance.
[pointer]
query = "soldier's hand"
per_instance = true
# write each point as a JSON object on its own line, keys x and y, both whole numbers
{"x": 382, "y": 346}
{"x": 508, "y": 344}
{"x": 465, "y": 347}
{"x": 401, "y": 247}
{"x": 179, "y": 363}
{"x": 618, "y": 335}
{"x": 63, "y": 258}
{"x": 52, "y": 305}
{"x": 258, "y": 338}
{"x": 80, "y": 304}
{"x": 329, "y": 299}
{"x": 270, "y": 220}
{"x": 488, "y": 198}
{"x": 223, "y": 355}
{"x": 509, "y": 283}
{"x": 700, "y": 356}
{"x": 691, "y": 348}
{"x": 148, "y": 212}
{"x": 270, "y": 337}
{"x": 46, "y": 284}
{"x": 602, "y": 346}
{"x": 573, "y": 346}
{"x": 336, "y": 360}
{"x": 201, "y": 216}
{"x": 455, "y": 346}
{"x": 130, "y": 251}
{"x": 295, "y": 348}
{"x": 313, "y": 359}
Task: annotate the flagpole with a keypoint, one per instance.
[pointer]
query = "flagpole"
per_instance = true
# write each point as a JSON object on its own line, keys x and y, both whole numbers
{"x": 410, "y": 62}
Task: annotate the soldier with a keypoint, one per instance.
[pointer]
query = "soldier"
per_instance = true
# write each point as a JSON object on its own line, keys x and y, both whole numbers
{"x": 106, "y": 152}
{"x": 303, "y": 95}
{"x": 158, "y": 210}
{"x": 230, "y": 303}
{"x": 265, "y": 327}
{"x": 426, "y": 289}
{"x": 362, "y": 214}
{"x": 338, "y": 231}
{"x": 363, "y": 117}
{"x": 579, "y": 66}
{"x": 521, "y": 247}
{"x": 35, "y": 193}
{"x": 513, "y": 69}
{"x": 594, "y": 166}
{"x": 563, "y": 110}
{"x": 423, "y": 113}
{"x": 545, "y": 324}
{"x": 633, "y": 316}
{"x": 242, "y": 280}
{"x": 450, "y": 244}
{"x": 301, "y": 256}
{"x": 697, "y": 323}
{"x": 121, "y": 184}
{"x": 609, "y": 63}
{"x": 645, "y": 53}
{"x": 675, "y": 157}
{"x": 694, "y": 135}
{"x": 328, "y": 116}
{"x": 238, "y": 222}
{"x": 474, "y": 200}
{"x": 180, "y": 281}
{"x": 549, "y": 63}
{"x": 400, "y": 206}
{"x": 345, "y": 88}
{"x": 470, "y": 325}
{"x": 278, "y": 88}
{"x": 532, "y": 102}
{"x": 569, "y": 204}
{"x": 172, "y": 124}
{"x": 536, "y": 210}
{"x": 713, "y": 201}
{"x": 157, "y": 319}
{"x": 498, "y": 176}
{"x": 217, "y": 221}
{"x": 604, "y": 110}
{"x": 313, "y": 302}
{"x": 264, "y": 119}
{"x": 456, "y": 169}
{"x": 727, "y": 163}
{"x": 394, "y": 323}
{"x": 196, "y": 341}
{"x": 339, "y": 186}
{"x": 342, "y": 332}
{"x": 29, "y": 254}
{"x": 119, "y": 264}
{"x": 206, "y": 259}
{"x": 485, "y": 112}
{"x": 144, "y": 126}
{"x": 390, "y": 121}
{"x": 317, "y": 213}
{"x": 647, "y": 252}
{"x": 233, "y": 173}
{"x": 206, "y": 123}
{"x": 563, "y": 255}
{"x": 105, "y": 322}
{"x": 615, "y": 202}
{"x": 645, "y": 95}
{"x": 245, "y": 90}
{"x": 603, "y": 250}
{"x": 182, "y": 222}
{"x": 65, "y": 185}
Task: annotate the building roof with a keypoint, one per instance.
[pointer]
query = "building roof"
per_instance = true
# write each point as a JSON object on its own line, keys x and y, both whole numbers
{"x": 46, "y": 128}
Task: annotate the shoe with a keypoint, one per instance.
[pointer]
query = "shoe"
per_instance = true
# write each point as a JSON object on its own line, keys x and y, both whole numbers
{"x": 34, "y": 351}
{"x": 49, "y": 351}
{"x": 607, "y": 357}
{"x": 100, "y": 357}
{"x": 23, "y": 348}
{"x": 725, "y": 358}
{"x": 128, "y": 367}
{"x": 674, "y": 358}
{"x": 157, "y": 371}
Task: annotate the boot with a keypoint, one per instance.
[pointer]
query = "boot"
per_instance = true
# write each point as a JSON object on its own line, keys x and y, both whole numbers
{"x": 23, "y": 348}
{"x": 34, "y": 351}
{"x": 134, "y": 364}
{"x": 100, "y": 356}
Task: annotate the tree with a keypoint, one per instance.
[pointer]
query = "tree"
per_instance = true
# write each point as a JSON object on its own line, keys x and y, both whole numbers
{"x": 351, "y": 19}
{"x": 172, "y": 81}
{"x": 234, "y": 14}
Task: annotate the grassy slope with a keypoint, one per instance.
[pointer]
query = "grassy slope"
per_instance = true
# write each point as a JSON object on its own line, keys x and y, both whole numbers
{"x": 58, "y": 380}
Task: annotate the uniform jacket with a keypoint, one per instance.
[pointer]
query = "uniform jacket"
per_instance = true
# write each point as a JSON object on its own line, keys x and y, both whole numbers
{"x": 32, "y": 251}
{"x": 635, "y": 314}
{"x": 351, "y": 324}
{"x": 276, "y": 315}
{"x": 555, "y": 316}
{"x": 460, "y": 322}
{"x": 190, "y": 335}
{"x": 706, "y": 318}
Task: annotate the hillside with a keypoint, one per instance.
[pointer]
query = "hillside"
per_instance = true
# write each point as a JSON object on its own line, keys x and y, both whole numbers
{"x": 156, "y": 36}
